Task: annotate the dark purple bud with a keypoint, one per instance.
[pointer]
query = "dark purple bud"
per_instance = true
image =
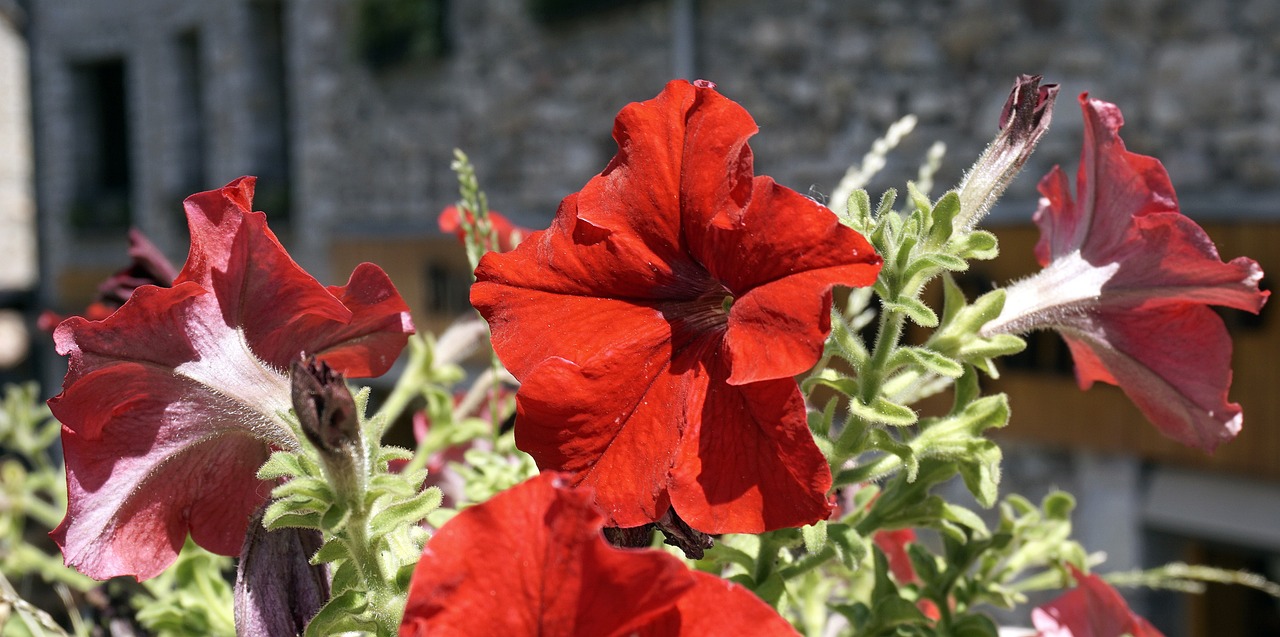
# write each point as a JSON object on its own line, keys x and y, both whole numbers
{"x": 277, "y": 589}
{"x": 1023, "y": 121}
{"x": 324, "y": 405}
{"x": 674, "y": 530}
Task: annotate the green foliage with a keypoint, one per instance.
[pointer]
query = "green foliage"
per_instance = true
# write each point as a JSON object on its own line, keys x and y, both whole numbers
{"x": 192, "y": 597}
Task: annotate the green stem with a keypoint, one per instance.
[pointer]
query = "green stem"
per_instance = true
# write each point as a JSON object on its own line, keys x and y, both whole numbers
{"x": 891, "y": 324}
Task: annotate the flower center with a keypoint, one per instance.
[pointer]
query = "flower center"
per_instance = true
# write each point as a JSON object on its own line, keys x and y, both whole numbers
{"x": 705, "y": 314}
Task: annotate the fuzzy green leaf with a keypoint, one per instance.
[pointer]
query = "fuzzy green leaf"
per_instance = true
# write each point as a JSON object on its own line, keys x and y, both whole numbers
{"x": 978, "y": 245}
{"x": 282, "y": 464}
{"x": 851, "y": 547}
{"x": 927, "y": 360}
{"x": 883, "y": 411}
{"x": 814, "y": 536}
{"x": 915, "y": 309}
{"x": 944, "y": 214}
{"x": 408, "y": 512}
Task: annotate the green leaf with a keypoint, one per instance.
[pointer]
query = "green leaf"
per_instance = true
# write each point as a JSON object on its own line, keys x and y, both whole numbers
{"x": 332, "y": 551}
{"x": 918, "y": 199}
{"x": 944, "y": 214}
{"x": 880, "y": 439}
{"x": 883, "y": 411}
{"x": 915, "y": 309}
{"x": 965, "y": 517}
{"x": 408, "y": 512}
{"x": 1058, "y": 505}
{"x": 833, "y": 379}
{"x": 306, "y": 487}
{"x": 815, "y": 536}
{"x": 851, "y": 547}
{"x": 281, "y": 464}
{"x": 858, "y": 210}
{"x": 335, "y": 518}
{"x": 344, "y": 613}
{"x": 944, "y": 261}
{"x": 974, "y": 626}
{"x": 886, "y": 202}
{"x": 978, "y": 245}
{"x": 981, "y": 473}
{"x": 926, "y": 360}
{"x": 996, "y": 346}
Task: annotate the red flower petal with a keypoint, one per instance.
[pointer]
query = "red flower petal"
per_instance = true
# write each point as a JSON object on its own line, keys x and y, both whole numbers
{"x": 532, "y": 561}
{"x": 1182, "y": 389}
{"x": 172, "y": 403}
{"x": 894, "y": 544}
{"x": 1127, "y": 282}
{"x": 1092, "y": 609}
{"x": 509, "y": 235}
{"x": 672, "y": 276}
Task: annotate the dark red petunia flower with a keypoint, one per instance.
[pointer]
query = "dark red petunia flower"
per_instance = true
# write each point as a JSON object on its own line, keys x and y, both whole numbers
{"x": 508, "y": 234}
{"x": 172, "y": 403}
{"x": 147, "y": 266}
{"x": 1128, "y": 281}
{"x": 532, "y": 561}
{"x": 657, "y": 324}
{"x": 1092, "y": 609}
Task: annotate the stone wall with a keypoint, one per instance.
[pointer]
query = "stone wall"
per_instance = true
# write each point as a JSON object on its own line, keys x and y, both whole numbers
{"x": 533, "y": 103}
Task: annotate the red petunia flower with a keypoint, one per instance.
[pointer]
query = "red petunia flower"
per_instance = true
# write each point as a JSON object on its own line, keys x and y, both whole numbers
{"x": 657, "y": 325}
{"x": 1092, "y": 609}
{"x": 172, "y": 403}
{"x": 147, "y": 266}
{"x": 532, "y": 561}
{"x": 1127, "y": 282}
{"x": 509, "y": 235}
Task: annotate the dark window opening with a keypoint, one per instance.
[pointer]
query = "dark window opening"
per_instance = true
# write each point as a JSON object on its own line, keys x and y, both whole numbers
{"x": 389, "y": 33}
{"x": 448, "y": 291}
{"x": 269, "y": 109}
{"x": 191, "y": 132}
{"x": 103, "y": 192}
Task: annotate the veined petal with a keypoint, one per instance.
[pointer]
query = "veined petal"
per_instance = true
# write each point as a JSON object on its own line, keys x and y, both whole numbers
{"x": 716, "y": 607}
{"x": 673, "y": 261}
{"x": 782, "y": 314}
{"x": 1128, "y": 280}
{"x": 1170, "y": 259}
{"x": 1175, "y": 365}
{"x": 532, "y": 561}
{"x": 747, "y": 462}
{"x": 609, "y": 430}
{"x": 151, "y": 457}
{"x": 172, "y": 403}
{"x": 282, "y": 309}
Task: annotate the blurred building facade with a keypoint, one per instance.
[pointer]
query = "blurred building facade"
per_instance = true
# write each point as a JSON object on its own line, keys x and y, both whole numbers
{"x": 17, "y": 203}
{"x": 348, "y": 111}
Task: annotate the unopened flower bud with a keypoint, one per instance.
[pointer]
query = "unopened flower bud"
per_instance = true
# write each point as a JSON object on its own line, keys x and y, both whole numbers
{"x": 1023, "y": 121}
{"x": 277, "y": 589}
{"x": 325, "y": 407}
